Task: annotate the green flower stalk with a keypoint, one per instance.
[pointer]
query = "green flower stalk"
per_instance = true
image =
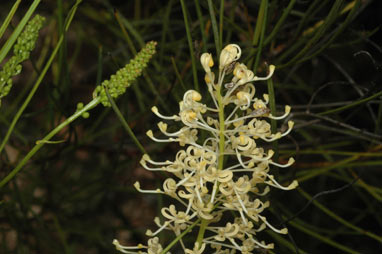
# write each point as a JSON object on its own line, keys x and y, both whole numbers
{"x": 218, "y": 183}
{"x": 116, "y": 86}
{"x": 24, "y": 45}
{"x": 119, "y": 81}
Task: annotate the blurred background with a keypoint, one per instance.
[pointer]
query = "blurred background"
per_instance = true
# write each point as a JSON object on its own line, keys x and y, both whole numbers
{"x": 77, "y": 195}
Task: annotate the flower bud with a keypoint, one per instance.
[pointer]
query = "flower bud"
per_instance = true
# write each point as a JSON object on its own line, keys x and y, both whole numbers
{"x": 230, "y": 53}
{"x": 207, "y": 62}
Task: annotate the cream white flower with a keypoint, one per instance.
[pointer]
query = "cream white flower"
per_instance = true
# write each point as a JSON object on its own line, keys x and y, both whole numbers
{"x": 197, "y": 249}
{"x": 153, "y": 247}
{"x": 227, "y": 172}
{"x": 242, "y": 75}
{"x": 229, "y": 54}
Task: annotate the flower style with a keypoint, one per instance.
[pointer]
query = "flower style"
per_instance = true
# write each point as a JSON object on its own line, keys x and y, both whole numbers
{"x": 227, "y": 172}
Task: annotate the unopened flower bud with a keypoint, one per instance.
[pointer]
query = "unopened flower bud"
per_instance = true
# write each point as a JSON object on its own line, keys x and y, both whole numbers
{"x": 230, "y": 53}
{"x": 207, "y": 62}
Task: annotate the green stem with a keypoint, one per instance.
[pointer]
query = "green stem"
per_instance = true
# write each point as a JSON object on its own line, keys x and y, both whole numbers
{"x": 201, "y": 21}
{"x": 41, "y": 142}
{"x": 124, "y": 123}
{"x": 12, "y": 39}
{"x": 318, "y": 171}
{"x": 323, "y": 238}
{"x": 282, "y": 241}
{"x": 280, "y": 22}
{"x": 329, "y": 20}
{"x": 215, "y": 28}
{"x": 9, "y": 17}
{"x": 350, "y": 105}
{"x": 221, "y": 15}
{"x": 39, "y": 80}
{"x": 260, "y": 21}
{"x": 179, "y": 77}
{"x": 204, "y": 223}
{"x": 338, "y": 218}
{"x": 230, "y": 20}
{"x": 202, "y": 229}
{"x": 190, "y": 45}
{"x": 180, "y": 236}
{"x": 221, "y": 131}
{"x": 259, "y": 44}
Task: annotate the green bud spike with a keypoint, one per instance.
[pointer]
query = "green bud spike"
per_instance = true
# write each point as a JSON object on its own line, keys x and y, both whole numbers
{"x": 24, "y": 45}
{"x": 123, "y": 78}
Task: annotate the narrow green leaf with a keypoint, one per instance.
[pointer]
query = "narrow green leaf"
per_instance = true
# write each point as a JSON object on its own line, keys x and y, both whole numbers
{"x": 9, "y": 17}
{"x": 190, "y": 45}
{"x": 9, "y": 43}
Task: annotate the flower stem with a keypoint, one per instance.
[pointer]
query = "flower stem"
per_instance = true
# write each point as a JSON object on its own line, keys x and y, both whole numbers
{"x": 204, "y": 222}
{"x": 221, "y": 129}
{"x": 202, "y": 229}
{"x": 180, "y": 236}
{"x": 43, "y": 141}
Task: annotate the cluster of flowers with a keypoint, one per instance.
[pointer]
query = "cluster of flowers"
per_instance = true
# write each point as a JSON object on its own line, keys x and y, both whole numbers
{"x": 24, "y": 45}
{"x": 119, "y": 81}
{"x": 210, "y": 191}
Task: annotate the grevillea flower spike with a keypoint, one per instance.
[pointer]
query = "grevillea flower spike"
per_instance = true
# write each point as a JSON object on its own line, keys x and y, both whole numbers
{"x": 218, "y": 182}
